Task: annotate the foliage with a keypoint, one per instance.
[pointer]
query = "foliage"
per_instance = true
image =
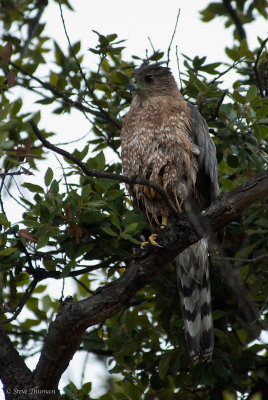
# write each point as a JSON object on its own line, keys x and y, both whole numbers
{"x": 85, "y": 228}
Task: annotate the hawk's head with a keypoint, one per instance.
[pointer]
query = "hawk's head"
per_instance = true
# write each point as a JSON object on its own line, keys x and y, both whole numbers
{"x": 152, "y": 80}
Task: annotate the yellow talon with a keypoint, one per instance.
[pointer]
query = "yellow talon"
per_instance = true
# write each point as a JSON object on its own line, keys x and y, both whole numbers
{"x": 143, "y": 244}
{"x": 151, "y": 239}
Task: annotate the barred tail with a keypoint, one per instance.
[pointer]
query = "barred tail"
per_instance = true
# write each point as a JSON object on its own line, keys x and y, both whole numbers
{"x": 194, "y": 288}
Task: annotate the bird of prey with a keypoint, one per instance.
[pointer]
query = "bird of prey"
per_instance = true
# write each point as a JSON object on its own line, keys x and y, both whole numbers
{"x": 166, "y": 140}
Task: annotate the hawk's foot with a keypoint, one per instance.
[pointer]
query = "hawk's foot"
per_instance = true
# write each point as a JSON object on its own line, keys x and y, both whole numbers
{"x": 151, "y": 239}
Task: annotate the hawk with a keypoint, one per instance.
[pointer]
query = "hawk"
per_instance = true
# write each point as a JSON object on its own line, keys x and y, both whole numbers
{"x": 166, "y": 140}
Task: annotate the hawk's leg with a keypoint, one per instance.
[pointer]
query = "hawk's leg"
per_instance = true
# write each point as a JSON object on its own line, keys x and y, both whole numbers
{"x": 164, "y": 222}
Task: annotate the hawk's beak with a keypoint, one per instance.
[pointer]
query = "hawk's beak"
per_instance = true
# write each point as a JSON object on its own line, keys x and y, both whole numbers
{"x": 132, "y": 85}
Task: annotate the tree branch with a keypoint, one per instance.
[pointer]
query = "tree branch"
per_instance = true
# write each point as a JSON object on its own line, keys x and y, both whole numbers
{"x": 13, "y": 370}
{"x": 76, "y": 104}
{"x": 76, "y": 317}
{"x": 22, "y": 171}
{"x": 235, "y": 18}
{"x": 100, "y": 174}
{"x": 244, "y": 260}
{"x": 17, "y": 310}
{"x": 256, "y": 67}
{"x": 172, "y": 37}
{"x": 33, "y": 26}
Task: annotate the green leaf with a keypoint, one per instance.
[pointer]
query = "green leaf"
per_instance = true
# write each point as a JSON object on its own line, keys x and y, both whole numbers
{"x": 132, "y": 392}
{"x": 251, "y": 93}
{"x": 115, "y": 220}
{"x": 33, "y": 188}
{"x": 44, "y": 213}
{"x": 100, "y": 159}
{"x": 8, "y": 251}
{"x": 76, "y": 47}
{"x": 232, "y": 53}
{"x": 239, "y": 98}
{"x": 218, "y": 314}
{"x": 42, "y": 240}
{"x": 232, "y": 161}
{"x": 111, "y": 37}
{"x": 48, "y": 176}
{"x": 53, "y": 79}
{"x": 228, "y": 396}
{"x": 131, "y": 227}
{"x": 227, "y": 184}
{"x": 86, "y": 190}
{"x": 164, "y": 364}
{"x": 4, "y": 221}
{"x": 126, "y": 236}
{"x": 109, "y": 231}
{"x": 105, "y": 65}
{"x": 54, "y": 188}
{"x": 257, "y": 396}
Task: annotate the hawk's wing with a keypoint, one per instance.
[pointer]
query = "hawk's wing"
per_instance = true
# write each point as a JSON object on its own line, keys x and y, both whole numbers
{"x": 207, "y": 176}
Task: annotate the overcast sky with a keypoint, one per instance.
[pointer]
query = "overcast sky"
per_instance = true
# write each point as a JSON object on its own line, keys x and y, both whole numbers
{"x": 133, "y": 21}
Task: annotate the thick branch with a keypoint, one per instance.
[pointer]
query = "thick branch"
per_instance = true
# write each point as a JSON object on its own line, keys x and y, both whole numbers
{"x": 13, "y": 370}
{"x": 76, "y": 317}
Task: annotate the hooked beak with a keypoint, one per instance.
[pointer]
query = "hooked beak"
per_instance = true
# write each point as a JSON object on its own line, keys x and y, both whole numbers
{"x": 132, "y": 85}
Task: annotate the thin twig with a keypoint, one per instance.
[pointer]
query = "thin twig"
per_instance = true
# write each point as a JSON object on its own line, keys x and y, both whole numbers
{"x": 172, "y": 37}
{"x": 100, "y": 174}
{"x": 152, "y": 46}
{"x": 1, "y": 188}
{"x": 63, "y": 173}
{"x": 20, "y": 172}
{"x": 244, "y": 260}
{"x": 258, "y": 206}
{"x": 22, "y": 301}
{"x": 256, "y": 67}
{"x": 30, "y": 268}
{"x": 83, "y": 286}
{"x": 58, "y": 93}
{"x": 62, "y": 291}
{"x": 14, "y": 198}
{"x": 216, "y": 111}
{"x": 74, "y": 141}
{"x": 178, "y": 65}
{"x": 235, "y": 63}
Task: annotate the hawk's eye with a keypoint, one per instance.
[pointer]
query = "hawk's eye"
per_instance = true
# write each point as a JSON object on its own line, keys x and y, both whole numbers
{"x": 149, "y": 78}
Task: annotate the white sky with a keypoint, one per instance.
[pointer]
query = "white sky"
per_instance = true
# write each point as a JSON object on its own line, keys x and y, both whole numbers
{"x": 133, "y": 21}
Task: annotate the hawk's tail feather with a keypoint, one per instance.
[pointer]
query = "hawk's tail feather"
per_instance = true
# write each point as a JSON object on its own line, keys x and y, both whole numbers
{"x": 194, "y": 288}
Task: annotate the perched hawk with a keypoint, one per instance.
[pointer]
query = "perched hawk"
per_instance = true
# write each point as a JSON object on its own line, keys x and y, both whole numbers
{"x": 166, "y": 140}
